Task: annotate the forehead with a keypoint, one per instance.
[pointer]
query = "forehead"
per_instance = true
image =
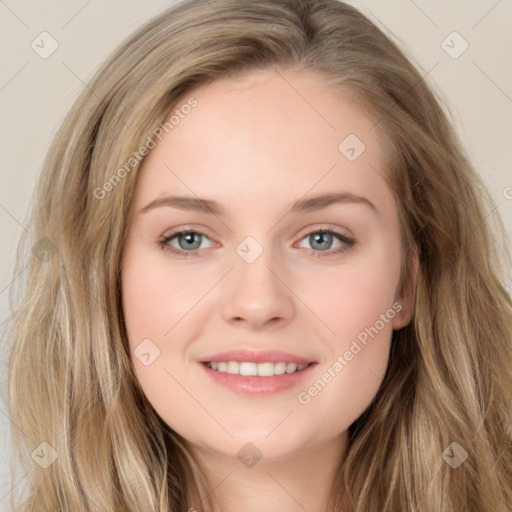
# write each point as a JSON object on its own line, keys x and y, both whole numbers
{"x": 268, "y": 133}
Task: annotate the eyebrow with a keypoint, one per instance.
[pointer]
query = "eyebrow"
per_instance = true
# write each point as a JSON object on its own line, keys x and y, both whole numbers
{"x": 317, "y": 202}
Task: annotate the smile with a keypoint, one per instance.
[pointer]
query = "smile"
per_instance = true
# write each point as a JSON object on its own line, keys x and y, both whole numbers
{"x": 257, "y": 379}
{"x": 251, "y": 369}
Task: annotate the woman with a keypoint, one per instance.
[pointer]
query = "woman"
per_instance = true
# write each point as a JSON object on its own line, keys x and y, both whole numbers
{"x": 256, "y": 371}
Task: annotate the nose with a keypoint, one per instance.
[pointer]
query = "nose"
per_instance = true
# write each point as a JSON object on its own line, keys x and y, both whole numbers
{"x": 258, "y": 294}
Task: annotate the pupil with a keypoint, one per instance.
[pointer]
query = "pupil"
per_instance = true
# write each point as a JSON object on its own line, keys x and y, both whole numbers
{"x": 189, "y": 238}
{"x": 319, "y": 237}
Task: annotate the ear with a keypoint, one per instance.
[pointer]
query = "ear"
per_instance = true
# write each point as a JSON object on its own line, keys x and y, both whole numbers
{"x": 407, "y": 298}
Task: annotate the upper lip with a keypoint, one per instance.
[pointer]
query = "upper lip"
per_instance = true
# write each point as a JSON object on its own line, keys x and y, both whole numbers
{"x": 253, "y": 356}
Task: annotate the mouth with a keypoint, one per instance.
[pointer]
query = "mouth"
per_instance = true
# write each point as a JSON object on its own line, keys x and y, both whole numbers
{"x": 252, "y": 369}
{"x": 251, "y": 378}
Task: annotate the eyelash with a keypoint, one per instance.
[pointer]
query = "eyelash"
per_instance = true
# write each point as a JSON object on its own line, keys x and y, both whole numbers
{"x": 163, "y": 243}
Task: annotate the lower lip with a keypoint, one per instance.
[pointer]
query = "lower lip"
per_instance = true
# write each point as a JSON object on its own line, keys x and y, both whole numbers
{"x": 258, "y": 385}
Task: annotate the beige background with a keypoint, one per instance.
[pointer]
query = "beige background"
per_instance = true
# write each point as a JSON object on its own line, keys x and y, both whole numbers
{"x": 35, "y": 94}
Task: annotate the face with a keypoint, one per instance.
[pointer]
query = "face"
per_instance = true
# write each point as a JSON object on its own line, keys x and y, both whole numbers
{"x": 267, "y": 268}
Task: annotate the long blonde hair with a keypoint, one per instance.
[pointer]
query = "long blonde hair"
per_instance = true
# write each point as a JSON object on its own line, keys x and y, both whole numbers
{"x": 71, "y": 382}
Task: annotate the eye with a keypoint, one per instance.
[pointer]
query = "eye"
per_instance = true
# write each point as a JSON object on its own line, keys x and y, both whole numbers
{"x": 189, "y": 242}
{"x": 320, "y": 241}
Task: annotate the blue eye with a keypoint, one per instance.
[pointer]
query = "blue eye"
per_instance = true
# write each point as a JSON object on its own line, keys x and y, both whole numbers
{"x": 189, "y": 242}
{"x": 324, "y": 237}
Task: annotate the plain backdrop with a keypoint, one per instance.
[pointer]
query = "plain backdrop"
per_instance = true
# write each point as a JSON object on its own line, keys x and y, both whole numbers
{"x": 470, "y": 70}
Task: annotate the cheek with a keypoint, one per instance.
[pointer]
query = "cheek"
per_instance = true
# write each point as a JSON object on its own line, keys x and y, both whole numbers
{"x": 358, "y": 305}
{"x": 161, "y": 304}
{"x": 347, "y": 381}
{"x": 155, "y": 299}
{"x": 352, "y": 298}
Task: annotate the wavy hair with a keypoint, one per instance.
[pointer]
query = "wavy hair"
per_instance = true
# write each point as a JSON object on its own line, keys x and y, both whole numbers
{"x": 71, "y": 381}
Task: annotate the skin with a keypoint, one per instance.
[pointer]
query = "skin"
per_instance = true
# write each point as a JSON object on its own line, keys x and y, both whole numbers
{"x": 256, "y": 144}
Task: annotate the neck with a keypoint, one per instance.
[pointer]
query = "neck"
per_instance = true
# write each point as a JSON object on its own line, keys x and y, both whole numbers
{"x": 301, "y": 482}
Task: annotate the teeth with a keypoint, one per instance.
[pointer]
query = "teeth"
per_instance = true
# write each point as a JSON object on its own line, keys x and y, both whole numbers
{"x": 247, "y": 368}
{"x": 233, "y": 367}
{"x": 256, "y": 369}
